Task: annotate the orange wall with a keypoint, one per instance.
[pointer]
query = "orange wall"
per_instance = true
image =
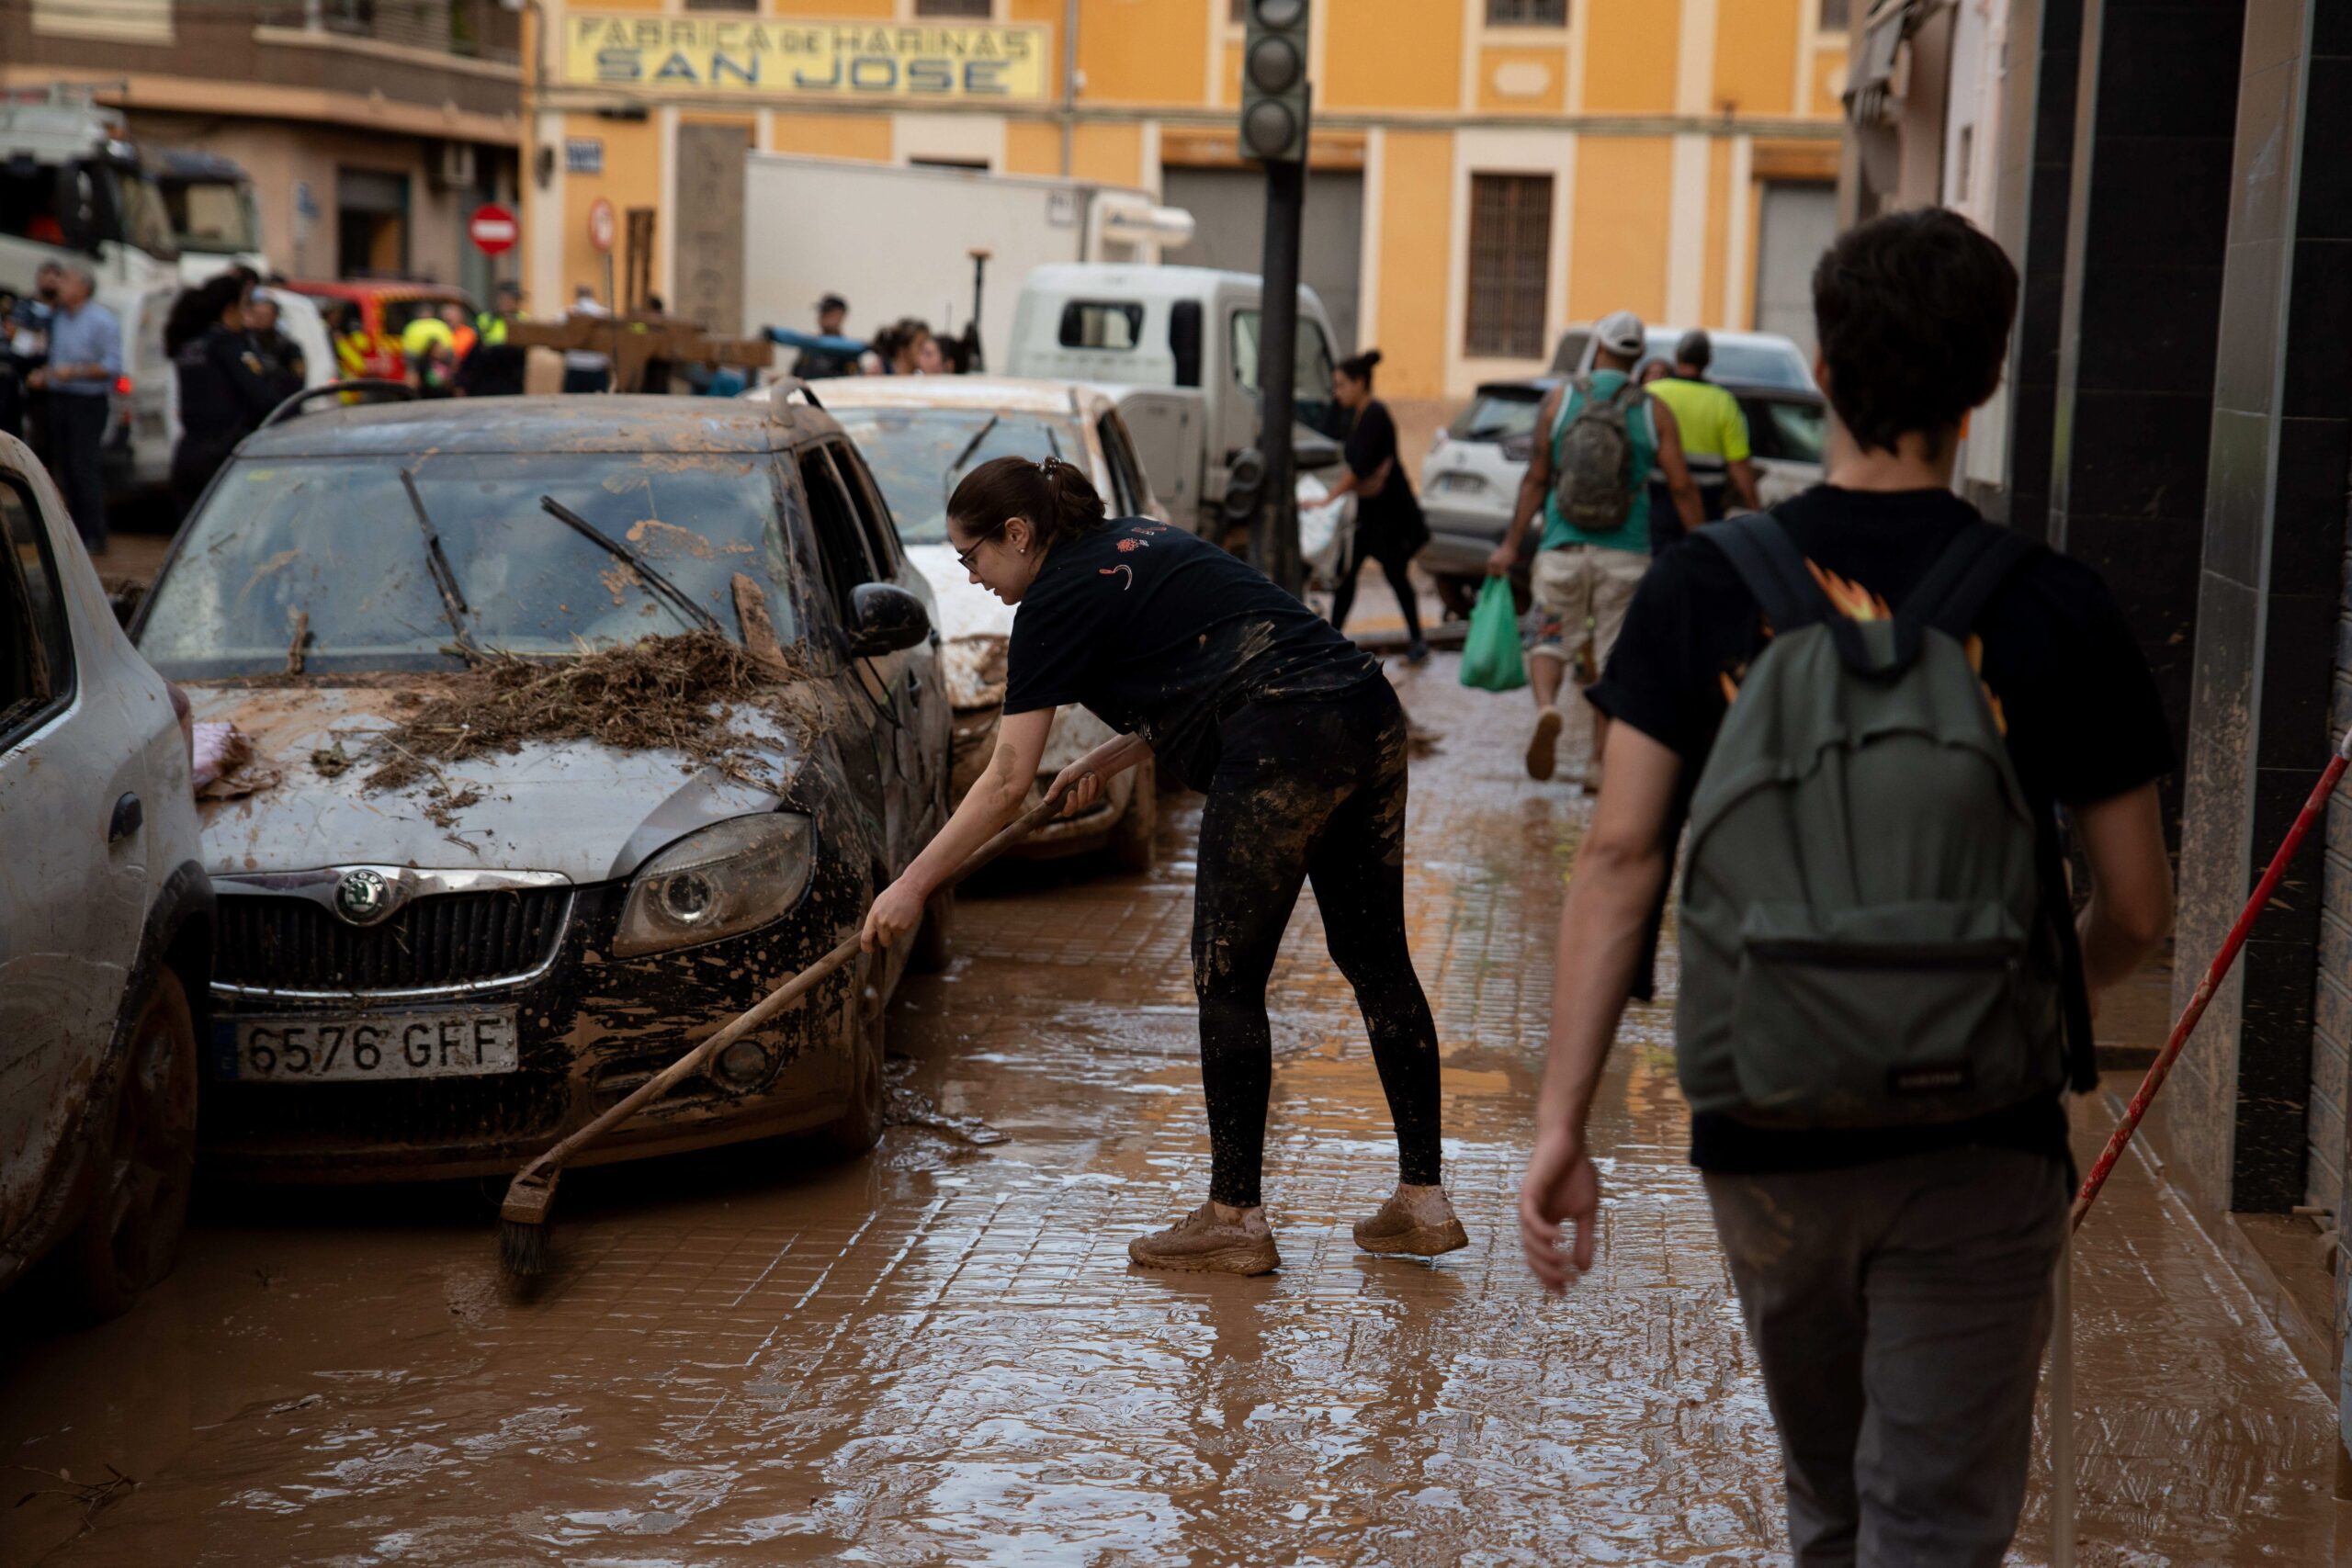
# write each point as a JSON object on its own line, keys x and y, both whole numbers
{"x": 882, "y": 8}
{"x": 1417, "y": 182}
{"x": 1111, "y": 154}
{"x": 1618, "y": 235}
{"x": 1554, "y": 99}
{"x": 1629, "y": 55}
{"x": 1392, "y": 54}
{"x": 1033, "y": 147}
{"x": 1144, "y": 51}
{"x": 1710, "y": 284}
{"x": 1755, "y": 55}
{"x": 833, "y": 135}
{"x": 632, "y": 177}
{"x": 1828, "y": 81}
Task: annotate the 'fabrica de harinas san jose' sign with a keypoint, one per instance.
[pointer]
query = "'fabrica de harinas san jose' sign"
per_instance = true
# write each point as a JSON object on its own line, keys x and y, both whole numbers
{"x": 746, "y": 57}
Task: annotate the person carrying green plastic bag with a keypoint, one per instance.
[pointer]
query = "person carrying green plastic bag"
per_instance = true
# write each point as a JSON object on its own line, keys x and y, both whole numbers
{"x": 1490, "y": 656}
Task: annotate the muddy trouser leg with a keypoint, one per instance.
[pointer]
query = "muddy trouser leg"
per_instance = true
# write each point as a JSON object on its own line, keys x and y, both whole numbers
{"x": 1358, "y": 869}
{"x": 1270, "y": 796}
{"x": 1899, "y": 1311}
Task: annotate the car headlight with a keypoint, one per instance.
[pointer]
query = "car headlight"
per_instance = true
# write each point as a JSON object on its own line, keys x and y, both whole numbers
{"x": 734, "y": 876}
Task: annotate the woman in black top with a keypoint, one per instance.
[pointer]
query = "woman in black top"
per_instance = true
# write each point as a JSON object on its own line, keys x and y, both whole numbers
{"x": 225, "y": 389}
{"x": 1294, "y": 734}
{"x": 1390, "y": 526}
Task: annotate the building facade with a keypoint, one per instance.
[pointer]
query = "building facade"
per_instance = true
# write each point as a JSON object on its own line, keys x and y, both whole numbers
{"x": 371, "y": 127}
{"x": 1483, "y": 172}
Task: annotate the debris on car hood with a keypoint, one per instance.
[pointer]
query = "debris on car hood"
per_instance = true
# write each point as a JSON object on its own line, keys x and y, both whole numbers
{"x": 224, "y": 764}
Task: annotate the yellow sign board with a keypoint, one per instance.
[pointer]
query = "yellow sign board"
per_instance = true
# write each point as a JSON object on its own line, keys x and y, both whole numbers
{"x": 652, "y": 56}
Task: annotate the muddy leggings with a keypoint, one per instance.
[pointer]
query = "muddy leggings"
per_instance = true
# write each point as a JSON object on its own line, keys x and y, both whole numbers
{"x": 1307, "y": 790}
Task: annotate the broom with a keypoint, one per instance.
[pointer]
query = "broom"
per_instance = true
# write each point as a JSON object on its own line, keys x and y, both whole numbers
{"x": 525, "y": 1216}
{"x": 2214, "y": 975}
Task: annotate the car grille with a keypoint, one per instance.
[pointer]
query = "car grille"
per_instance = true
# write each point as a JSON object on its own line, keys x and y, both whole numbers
{"x": 444, "y": 940}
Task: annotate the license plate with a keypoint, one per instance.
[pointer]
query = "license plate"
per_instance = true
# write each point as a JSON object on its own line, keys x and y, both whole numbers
{"x": 1460, "y": 482}
{"x": 388, "y": 1046}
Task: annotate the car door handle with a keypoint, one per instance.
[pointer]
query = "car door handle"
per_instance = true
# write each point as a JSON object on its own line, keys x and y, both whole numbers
{"x": 129, "y": 817}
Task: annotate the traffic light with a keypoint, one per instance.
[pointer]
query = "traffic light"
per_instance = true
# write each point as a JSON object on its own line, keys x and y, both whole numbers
{"x": 1273, "y": 82}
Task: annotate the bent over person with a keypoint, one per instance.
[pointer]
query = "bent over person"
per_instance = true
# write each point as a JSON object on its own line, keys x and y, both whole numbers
{"x": 1299, "y": 744}
{"x": 1881, "y": 700}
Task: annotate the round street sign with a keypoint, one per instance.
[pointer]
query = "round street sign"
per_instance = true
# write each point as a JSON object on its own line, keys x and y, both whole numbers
{"x": 600, "y": 225}
{"x": 492, "y": 230}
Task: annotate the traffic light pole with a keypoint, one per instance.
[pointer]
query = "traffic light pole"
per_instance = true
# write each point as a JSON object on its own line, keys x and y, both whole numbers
{"x": 1273, "y": 539}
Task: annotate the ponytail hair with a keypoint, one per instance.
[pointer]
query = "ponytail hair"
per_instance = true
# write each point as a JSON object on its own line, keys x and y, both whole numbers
{"x": 1358, "y": 367}
{"x": 1056, "y": 499}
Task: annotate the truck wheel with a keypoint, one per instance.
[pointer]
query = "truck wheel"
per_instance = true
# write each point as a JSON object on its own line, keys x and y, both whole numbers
{"x": 129, "y": 1236}
{"x": 1130, "y": 846}
{"x": 859, "y": 1126}
{"x": 934, "y": 945}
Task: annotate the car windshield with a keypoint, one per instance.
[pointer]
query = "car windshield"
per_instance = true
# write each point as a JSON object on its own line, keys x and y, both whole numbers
{"x": 917, "y": 455}
{"x": 336, "y": 540}
{"x": 215, "y": 217}
{"x": 1793, "y": 430}
{"x": 1744, "y": 363}
{"x": 1498, "y": 413}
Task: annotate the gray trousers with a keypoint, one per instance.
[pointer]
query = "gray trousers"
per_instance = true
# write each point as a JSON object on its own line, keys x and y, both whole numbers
{"x": 1899, "y": 1311}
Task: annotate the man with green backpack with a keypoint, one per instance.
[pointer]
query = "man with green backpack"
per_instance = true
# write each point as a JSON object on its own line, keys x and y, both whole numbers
{"x": 1871, "y": 704}
{"x": 1588, "y": 478}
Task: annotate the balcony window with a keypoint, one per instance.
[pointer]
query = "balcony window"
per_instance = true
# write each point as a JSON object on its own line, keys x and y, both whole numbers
{"x": 1510, "y": 258}
{"x": 977, "y": 10}
{"x": 1527, "y": 12}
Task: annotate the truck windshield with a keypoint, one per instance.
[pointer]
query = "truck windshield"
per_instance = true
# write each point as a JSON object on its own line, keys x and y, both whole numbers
{"x": 212, "y": 216}
{"x": 337, "y": 540}
{"x": 139, "y": 206}
{"x": 917, "y": 455}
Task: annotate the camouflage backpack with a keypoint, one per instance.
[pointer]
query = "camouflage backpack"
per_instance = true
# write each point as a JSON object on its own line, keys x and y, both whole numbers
{"x": 1592, "y": 458}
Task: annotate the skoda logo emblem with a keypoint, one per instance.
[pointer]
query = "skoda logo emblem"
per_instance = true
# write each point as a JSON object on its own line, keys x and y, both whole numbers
{"x": 363, "y": 896}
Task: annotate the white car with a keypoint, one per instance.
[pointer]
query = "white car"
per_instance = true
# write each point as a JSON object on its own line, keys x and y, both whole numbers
{"x": 106, "y": 921}
{"x": 920, "y": 435}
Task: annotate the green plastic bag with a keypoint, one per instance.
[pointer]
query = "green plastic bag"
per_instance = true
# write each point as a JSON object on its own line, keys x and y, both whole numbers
{"x": 1490, "y": 657}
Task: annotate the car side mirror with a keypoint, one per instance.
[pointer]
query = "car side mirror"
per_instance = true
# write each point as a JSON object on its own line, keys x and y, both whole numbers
{"x": 885, "y": 618}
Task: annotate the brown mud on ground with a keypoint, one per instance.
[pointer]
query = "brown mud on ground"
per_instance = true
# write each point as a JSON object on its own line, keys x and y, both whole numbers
{"x": 939, "y": 1355}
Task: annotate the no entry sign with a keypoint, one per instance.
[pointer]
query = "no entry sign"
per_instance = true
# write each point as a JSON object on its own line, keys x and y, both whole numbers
{"x": 492, "y": 230}
{"x": 600, "y": 225}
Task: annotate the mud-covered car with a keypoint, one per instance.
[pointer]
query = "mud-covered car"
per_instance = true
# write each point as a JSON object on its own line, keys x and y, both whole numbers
{"x": 920, "y": 435}
{"x": 105, "y": 922}
{"x": 439, "y": 977}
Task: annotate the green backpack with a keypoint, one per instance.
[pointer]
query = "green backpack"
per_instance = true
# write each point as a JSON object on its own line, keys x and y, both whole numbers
{"x": 1865, "y": 941}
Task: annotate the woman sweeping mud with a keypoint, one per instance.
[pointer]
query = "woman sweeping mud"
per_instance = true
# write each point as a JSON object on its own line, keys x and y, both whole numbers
{"x": 1298, "y": 742}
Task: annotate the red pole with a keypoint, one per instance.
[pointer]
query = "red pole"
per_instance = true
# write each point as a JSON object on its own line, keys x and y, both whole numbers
{"x": 2213, "y": 978}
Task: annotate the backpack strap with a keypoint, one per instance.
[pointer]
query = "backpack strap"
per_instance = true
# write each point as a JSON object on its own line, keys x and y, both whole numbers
{"x": 1775, "y": 569}
{"x": 1977, "y": 562}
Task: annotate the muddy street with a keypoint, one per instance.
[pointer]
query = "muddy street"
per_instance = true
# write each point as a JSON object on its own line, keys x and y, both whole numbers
{"x": 940, "y": 1353}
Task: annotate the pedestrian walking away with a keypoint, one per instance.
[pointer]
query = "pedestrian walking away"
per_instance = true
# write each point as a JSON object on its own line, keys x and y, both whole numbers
{"x": 1390, "y": 528}
{"x": 1589, "y": 477}
{"x": 1714, "y": 440}
{"x": 1299, "y": 744}
{"x": 85, "y": 362}
{"x": 1871, "y": 704}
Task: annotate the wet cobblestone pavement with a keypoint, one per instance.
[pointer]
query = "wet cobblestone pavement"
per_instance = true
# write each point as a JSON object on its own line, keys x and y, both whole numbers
{"x": 939, "y": 1354}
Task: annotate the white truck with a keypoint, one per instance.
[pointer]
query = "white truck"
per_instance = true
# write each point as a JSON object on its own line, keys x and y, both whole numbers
{"x": 1180, "y": 345}
{"x": 73, "y": 189}
{"x": 899, "y": 242}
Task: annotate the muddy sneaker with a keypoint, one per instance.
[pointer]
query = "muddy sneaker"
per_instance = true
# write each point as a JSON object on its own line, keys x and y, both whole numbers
{"x": 1543, "y": 746}
{"x": 1418, "y": 1220}
{"x": 1205, "y": 1242}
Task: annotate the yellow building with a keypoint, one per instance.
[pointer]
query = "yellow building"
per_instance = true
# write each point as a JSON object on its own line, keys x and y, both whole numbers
{"x": 1484, "y": 172}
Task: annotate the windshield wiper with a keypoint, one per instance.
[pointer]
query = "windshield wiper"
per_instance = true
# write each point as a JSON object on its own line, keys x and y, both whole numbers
{"x": 630, "y": 559}
{"x": 956, "y": 464}
{"x": 453, "y": 602}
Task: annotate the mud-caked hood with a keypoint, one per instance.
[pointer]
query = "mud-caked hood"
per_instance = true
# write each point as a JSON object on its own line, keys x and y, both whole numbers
{"x": 574, "y": 806}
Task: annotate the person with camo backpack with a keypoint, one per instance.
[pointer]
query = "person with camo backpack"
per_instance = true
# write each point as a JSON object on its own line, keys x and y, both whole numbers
{"x": 1591, "y": 477}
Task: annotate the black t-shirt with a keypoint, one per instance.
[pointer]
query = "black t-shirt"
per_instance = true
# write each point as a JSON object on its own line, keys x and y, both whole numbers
{"x": 1395, "y": 514}
{"x": 2079, "y": 706}
{"x": 1161, "y": 634}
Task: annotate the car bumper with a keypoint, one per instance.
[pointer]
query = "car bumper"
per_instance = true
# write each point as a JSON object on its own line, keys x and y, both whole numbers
{"x": 1461, "y": 538}
{"x": 589, "y": 1030}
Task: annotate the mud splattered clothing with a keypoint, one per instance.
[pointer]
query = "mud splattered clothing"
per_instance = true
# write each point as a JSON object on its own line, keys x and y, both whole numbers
{"x": 1308, "y": 792}
{"x": 1248, "y": 695}
{"x": 1162, "y": 635}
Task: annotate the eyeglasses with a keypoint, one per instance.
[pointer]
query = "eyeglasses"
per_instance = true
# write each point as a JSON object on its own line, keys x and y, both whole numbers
{"x": 963, "y": 558}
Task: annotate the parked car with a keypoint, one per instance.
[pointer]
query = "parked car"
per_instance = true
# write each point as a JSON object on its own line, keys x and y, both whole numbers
{"x": 106, "y": 921}
{"x": 442, "y": 978}
{"x": 920, "y": 435}
{"x": 1741, "y": 359}
{"x": 381, "y": 311}
{"x": 1470, "y": 480}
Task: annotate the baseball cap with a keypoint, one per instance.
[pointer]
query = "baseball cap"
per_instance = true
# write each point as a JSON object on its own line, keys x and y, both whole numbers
{"x": 1619, "y": 331}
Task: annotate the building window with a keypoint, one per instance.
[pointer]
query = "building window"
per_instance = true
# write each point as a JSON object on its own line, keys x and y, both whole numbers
{"x": 1511, "y": 259}
{"x": 1527, "y": 12}
{"x": 722, "y": 4}
{"x": 1834, "y": 16}
{"x": 981, "y": 9}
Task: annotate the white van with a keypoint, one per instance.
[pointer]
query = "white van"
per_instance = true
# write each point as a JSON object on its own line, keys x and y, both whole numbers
{"x": 1180, "y": 345}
